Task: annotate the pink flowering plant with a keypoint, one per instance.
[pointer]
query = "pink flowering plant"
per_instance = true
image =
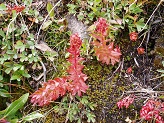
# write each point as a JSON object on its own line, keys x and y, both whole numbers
{"x": 126, "y": 102}
{"x": 152, "y": 110}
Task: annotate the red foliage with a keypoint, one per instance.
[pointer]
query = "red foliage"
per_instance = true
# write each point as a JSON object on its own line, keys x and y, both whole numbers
{"x": 53, "y": 89}
{"x": 133, "y": 36}
{"x": 76, "y": 77}
{"x": 16, "y": 8}
{"x": 140, "y": 51}
{"x": 102, "y": 26}
{"x": 50, "y": 91}
{"x": 126, "y": 101}
{"x": 129, "y": 70}
{"x": 151, "y": 111}
{"x": 104, "y": 49}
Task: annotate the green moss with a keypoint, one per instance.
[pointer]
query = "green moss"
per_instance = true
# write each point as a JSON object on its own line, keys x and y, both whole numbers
{"x": 105, "y": 91}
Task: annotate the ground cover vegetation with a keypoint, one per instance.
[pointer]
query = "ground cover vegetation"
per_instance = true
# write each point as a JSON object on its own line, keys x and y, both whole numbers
{"x": 81, "y": 61}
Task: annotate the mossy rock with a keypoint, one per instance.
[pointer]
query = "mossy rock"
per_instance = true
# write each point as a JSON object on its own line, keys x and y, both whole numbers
{"x": 105, "y": 89}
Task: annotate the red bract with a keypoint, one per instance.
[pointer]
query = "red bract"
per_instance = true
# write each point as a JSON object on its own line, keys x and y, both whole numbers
{"x": 125, "y": 102}
{"x": 106, "y": 53}
{"x": 16, "y": 8}
{"x": 101, "y": 26}
{"x": 129, "y": 70}
{"x": 50, "y": 91}
{"x": 133, "y": 36}
{"x": 151, "y": 111}
{"x": 104, "y": 49}
{"x": 140, "y": 51}
{"x": 77, "y": 78}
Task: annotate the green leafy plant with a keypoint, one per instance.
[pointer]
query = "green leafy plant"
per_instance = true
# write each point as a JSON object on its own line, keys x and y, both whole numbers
{"x": 77, "y": 108}
{"x": 10, "y": 111}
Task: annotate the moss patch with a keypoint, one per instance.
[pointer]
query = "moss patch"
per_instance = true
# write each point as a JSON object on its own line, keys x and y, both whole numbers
{"x": 105, "y": 90}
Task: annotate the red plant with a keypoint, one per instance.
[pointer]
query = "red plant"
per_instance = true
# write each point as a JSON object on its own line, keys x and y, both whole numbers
{"x": 76, "y": 77}
{"x": 73, "y": 83}
{"x": 50, "y": 91}
{"x": 133, "y": 36}
{"x": 129, "y": 70}
{"x": 101, "y": 26}
{"x": 125, "y": 102}
{"x": 140, "y": 50}
{"x": 16, "y": 8}
{"x": 104, "y": 48}
{"x": 151, "y": 111}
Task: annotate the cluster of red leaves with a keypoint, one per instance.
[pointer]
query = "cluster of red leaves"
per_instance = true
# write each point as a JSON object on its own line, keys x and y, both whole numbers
{"x": 133, "y": 36}
{"x": 50, "y": 91}
{"x": 76, "y": 77}
{"x": 73, "y": 83}
{"x": 16, "y": 8}
{"x": 151, "y": 111}
{"x": 140, "y": 50}
{"x": 125, "y": 102}
{"x": 104, "y": 48}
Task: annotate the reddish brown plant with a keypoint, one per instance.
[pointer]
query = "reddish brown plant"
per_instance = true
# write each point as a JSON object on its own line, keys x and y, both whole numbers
{"x": 104, "y": 48}
{"x": 73, "y": 83}
{"x": 133, "y": 36}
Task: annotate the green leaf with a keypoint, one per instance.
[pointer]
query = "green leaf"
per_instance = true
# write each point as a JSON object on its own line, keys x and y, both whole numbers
{"x": 15, "y": 77}
{"x": 23, "y": 58}
{"x": 14, "y": 14}
{"x": 56, "y": 109}
{"x": 8, "y": 70}
{"x": 135, "y": 9}
{"x": 84, "y": 100}
{"x": 1, "y": 78}
{"x": 140, "y": 24}
{"x": 94, "y": 9}
{"x": 32, "y": 116}
{"x": 20, "y": 45}
{"x": 4, "y": 93}
{"x": 16, "y": 105}
{"x": 91, "y": 117}
{"x": 10, "y": 52}
{"x": 72, "y": 8}
{"x": 97, "y": 2}
{"x": 91, "y": 106}
{"x": 16, "y": 67}
{"x": 14, "y": 121}
{"x": 79, "y": 120}
{"x": 25, "y": 74}
{"x": 49, "y": 7}
{"x": 2, "y": 112}
{"x": 46, "y": 24}
{"x": 2, "y": 7}
{"x": 27, "y": 2}
{"x": 2, "y": 33}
